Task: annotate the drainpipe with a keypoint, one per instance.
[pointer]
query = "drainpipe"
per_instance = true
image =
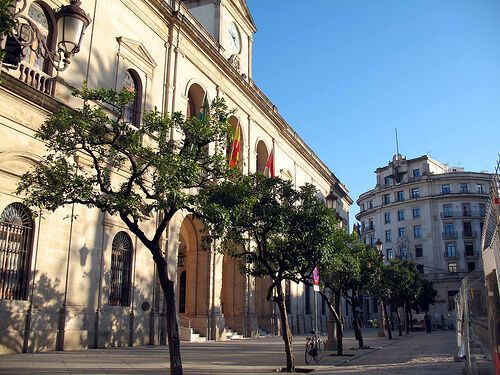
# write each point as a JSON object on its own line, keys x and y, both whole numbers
{"x": 63, "y": 310}
{"x": 98, "y": 311}
{"x": 27, "y": 325}
{"x": 132, "y": 297}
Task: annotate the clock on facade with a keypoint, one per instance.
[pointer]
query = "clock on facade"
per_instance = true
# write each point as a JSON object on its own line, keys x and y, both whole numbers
{"x": 234, "y": 38}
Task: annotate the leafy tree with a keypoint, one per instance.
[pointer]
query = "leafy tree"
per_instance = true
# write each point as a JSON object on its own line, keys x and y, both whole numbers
{"x": 96, "y": 159}
{"x": 348, "y": 269}
{"x": 360, "y": 280}
{"x": 335, "y": 272}
{"x": 381, "y": 288}
{"x": 403, "y": 285}
{"x": 6, "y": 23}
{"x": 426, "y": 297}
{"x": 287, "y": 229}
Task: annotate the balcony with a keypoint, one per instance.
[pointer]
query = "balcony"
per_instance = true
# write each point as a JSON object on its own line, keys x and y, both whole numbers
{"x": 413, "y": 179}
{"x": 472, "y": 234}
{"x": 450, "y": 235}
{"x": 444, "y": 275}
{"x": 35, "y": 78}
{"x": 450, "y": 255}
{"x": 449, "y": 214}
{"x": 472, "y": 255}
{"x": 459, "y": 214}
{"x": 367, "y": 229}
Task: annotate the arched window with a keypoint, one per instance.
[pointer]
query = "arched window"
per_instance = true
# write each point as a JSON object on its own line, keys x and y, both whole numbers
{"x": 16, "y": 246}
{"x": 196, "y": 98}
{"x": 235, "y": 146}
{"x": 39, "y": 14}
{"x": 132, "y": 113}
{"x": 121, "y": 270}
{"x": 262, "y": 155}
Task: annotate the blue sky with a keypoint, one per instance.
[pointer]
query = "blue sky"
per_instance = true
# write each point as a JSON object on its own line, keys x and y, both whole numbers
{"x": 346, "y": 73}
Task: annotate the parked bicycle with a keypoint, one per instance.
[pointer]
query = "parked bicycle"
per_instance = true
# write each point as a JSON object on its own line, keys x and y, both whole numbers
{"x": 315, "y": 348}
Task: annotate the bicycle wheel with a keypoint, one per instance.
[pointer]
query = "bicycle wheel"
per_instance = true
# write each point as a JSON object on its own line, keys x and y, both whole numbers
{"x": 308, "y": 355}
{"x": 320, "y": 350}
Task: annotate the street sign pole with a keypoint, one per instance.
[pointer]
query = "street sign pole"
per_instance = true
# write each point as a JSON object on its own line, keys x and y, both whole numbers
{"x": 316, "y": 290}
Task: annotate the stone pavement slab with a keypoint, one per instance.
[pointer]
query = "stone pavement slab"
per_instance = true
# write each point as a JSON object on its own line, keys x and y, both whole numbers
{"x": 414, "y": 354}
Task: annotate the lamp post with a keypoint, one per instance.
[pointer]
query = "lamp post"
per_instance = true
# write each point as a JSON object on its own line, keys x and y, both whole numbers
{"x": 380, "y": 314}
{"x": 71, "y": 22}
{"x": 331, "y": 343}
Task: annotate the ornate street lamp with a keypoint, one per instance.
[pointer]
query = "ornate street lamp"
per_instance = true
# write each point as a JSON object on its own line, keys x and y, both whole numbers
{"x": 71, "y": 22}
{"x": 331, "y": 200}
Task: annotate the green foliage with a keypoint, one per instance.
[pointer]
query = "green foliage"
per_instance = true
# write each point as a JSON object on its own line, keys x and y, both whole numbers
{"x": 425, "y": 297}
{"x": 6, "y": 21}
{"x": 289, "y": 227}
{"x": 403, "y": 282}
{"x": 97, "y": 159}
{"x": 349, "y": 265}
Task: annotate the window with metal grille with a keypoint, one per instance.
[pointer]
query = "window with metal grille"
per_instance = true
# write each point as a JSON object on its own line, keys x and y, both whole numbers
{"x": 16, "y": 245}
{"x": 121, "y": 270}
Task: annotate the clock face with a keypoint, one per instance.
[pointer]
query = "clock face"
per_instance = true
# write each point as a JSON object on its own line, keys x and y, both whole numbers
{"x": 234, "y": 38}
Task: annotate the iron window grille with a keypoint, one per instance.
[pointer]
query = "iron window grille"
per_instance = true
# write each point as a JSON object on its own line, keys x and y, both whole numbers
{"x": 121, "y": 270}
{"x": 16, "y": 246}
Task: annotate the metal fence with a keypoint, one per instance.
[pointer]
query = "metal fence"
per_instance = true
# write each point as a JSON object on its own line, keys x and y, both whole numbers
{"x": 472, "y": 324}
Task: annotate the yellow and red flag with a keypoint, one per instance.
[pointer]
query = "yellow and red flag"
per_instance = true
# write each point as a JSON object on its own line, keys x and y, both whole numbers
{"x": 235, "y": 147}
{"x": 270, "y": 164}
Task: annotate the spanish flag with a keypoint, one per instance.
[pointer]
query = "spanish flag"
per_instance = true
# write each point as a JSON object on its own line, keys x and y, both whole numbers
{"x": 235, "y": 147}
{"x": 270, "y": 164}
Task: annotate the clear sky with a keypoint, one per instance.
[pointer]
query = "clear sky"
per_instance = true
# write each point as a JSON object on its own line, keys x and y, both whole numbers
{"x": 346, "y": 73}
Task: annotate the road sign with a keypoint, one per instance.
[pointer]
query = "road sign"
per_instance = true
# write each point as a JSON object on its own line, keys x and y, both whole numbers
{"x": 316, "y": 288}
{"x": 316, "y": 275}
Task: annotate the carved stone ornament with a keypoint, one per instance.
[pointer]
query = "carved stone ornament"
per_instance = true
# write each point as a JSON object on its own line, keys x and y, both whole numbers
{"x": 234, "y": 60}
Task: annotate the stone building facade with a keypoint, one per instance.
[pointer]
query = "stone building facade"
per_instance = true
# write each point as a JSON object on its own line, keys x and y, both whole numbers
{"x": 83, "y": 280}
{"x": 428, "y": 212}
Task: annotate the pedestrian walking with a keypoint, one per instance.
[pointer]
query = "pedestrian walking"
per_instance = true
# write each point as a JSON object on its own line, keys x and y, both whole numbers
{"x": 427, "y": 319}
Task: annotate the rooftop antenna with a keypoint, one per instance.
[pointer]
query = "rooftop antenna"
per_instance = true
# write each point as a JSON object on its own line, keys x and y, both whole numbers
{"x": 397, "y": 142}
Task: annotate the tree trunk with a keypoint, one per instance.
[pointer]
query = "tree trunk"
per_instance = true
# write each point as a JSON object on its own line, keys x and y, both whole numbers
{"x": 337, "y": 317}
{"x": 400, "y": 326}
{"x": 357, "y": 328}
{"x": 171, "y": 314}
{"x": 338, "y": 324}
{"x": 407, "y": 313}
{"x": 411, "y": 320}
{"x": 285, "y": 328}
{"x": 387, "y": 323}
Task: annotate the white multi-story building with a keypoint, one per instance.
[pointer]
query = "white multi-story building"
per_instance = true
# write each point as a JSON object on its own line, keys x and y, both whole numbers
{"x": 86, "y": 281}
{"x": 428, "y": 212}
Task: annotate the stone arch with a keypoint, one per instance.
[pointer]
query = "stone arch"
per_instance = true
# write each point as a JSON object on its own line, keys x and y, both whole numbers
{"x": 18, "y": 162}
{"x": 133, "y": 111}
{"x": 188, "y": 265}
{"x": 261, "y": 155}
{"x": 195, "y": 93}
{"x": 233, "y": 123}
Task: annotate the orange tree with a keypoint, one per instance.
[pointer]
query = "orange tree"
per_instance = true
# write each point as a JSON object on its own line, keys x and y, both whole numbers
{"x": 96, "y": 159}
{"x": 277, "y": 231}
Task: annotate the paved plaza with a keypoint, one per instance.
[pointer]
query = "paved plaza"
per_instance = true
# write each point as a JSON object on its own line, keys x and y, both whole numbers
{"x": 414, "y": 354}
